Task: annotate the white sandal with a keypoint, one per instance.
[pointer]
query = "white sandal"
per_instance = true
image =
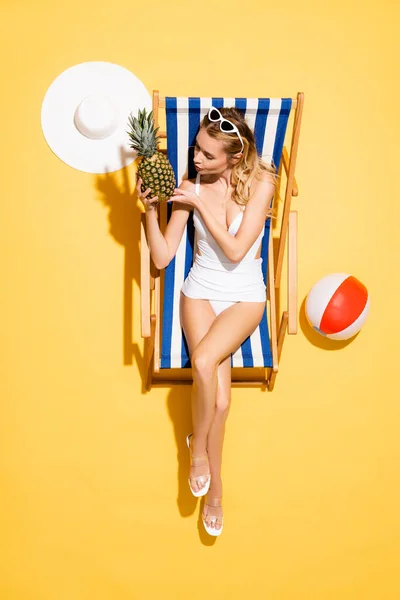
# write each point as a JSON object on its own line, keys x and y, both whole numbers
{"x": 212, "y": 530}
{"x": 194, "y": 462}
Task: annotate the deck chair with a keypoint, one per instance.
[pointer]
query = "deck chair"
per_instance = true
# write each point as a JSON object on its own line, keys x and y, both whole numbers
{"x": 256, "y": 362}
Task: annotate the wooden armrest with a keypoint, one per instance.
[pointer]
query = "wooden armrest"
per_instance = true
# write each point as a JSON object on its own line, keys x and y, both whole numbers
{"x": 144, "y": 280}
{"x": 285, "y": 160}
{"x": 271, "y": 285}
{"x": 292, "y": 273}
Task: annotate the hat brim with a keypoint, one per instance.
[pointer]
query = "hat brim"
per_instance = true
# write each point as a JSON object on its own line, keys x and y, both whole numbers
{"x": 63, "y": 97}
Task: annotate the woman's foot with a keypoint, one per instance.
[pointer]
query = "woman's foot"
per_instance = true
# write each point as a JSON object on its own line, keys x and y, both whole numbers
{"x": 199, "y": 477}
{"x": 212, "y": 511}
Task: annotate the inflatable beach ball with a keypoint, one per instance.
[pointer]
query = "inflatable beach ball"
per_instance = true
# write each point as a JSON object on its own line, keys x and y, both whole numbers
{"x": 337, "y": 306}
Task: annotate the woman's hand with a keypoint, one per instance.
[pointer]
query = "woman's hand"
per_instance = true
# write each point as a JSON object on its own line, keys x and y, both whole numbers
{"x": 185, "y": 197}
{"x": 148, "y": 203}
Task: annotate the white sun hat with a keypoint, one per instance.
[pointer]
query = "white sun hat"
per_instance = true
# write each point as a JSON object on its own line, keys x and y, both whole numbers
{"x": 85, "y": 115}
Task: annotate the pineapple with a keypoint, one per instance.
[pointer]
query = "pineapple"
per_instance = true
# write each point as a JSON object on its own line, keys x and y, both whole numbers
{"x": 155, "y": 170}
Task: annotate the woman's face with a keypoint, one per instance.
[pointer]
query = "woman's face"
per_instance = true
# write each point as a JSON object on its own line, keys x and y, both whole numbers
{"x": 209, "y": 154}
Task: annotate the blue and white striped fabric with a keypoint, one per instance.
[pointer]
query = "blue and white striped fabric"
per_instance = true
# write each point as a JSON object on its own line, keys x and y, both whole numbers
{"x": 268, "y": 118}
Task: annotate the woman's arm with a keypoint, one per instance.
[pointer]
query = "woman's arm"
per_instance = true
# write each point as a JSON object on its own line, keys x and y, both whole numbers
{"x": 236, "y": 247}
{"x": 163, "y": 247}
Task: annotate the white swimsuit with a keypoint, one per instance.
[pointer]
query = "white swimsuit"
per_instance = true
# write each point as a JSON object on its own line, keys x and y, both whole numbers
{"x": 214, "y": 277}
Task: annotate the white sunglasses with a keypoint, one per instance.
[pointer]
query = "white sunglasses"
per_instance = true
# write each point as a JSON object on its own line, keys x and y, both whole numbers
{"x": 226, "y": 126}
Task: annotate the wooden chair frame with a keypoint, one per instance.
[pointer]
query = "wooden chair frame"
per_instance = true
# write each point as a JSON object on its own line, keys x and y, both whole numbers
{"x": 151, "y": 280}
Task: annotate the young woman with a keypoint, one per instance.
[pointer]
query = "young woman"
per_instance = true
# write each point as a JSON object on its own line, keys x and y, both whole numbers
{"x": 223, "y": 298}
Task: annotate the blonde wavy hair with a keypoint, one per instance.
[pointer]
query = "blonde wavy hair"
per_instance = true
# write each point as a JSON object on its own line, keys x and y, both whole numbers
{"x": 250, "y": 166}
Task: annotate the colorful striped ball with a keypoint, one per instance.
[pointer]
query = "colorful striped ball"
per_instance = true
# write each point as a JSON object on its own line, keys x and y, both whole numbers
{"x": 337, "y": 306}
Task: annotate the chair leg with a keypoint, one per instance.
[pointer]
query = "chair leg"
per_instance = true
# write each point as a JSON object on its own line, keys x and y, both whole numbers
{"x": 145, "y": 281}
{"x": 149, "y": 351}
{"x": 281, "y": 337}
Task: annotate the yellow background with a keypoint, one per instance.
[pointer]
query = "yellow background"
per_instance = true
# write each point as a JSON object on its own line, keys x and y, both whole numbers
{"x": 94, "y": 495}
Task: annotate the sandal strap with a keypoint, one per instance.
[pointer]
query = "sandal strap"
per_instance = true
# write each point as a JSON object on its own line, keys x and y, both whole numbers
{"x": 194, "y": 459}
{"x": 200, "y": 478}
{"x": 198, "y": 461}
{"x": 190, "y": 449}
{"x": 215, "y": 519}
{"x": 213, "y": 502}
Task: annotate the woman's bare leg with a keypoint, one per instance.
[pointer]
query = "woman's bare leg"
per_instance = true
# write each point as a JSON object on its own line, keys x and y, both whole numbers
{"x": 211, "y": 340}
{"x": 195, "y": 329}
{"x": 217, "y": 430}
{"x": 215, "y": 442}
{"x": 196, "y": 319}
{"x": 225, "y": 335}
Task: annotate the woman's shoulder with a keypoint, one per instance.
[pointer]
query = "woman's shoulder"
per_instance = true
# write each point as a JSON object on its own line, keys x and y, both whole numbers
{"x": 262, "y": 183}
{"x": 188, "y": 184}
{"x": 264, "y": 178}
